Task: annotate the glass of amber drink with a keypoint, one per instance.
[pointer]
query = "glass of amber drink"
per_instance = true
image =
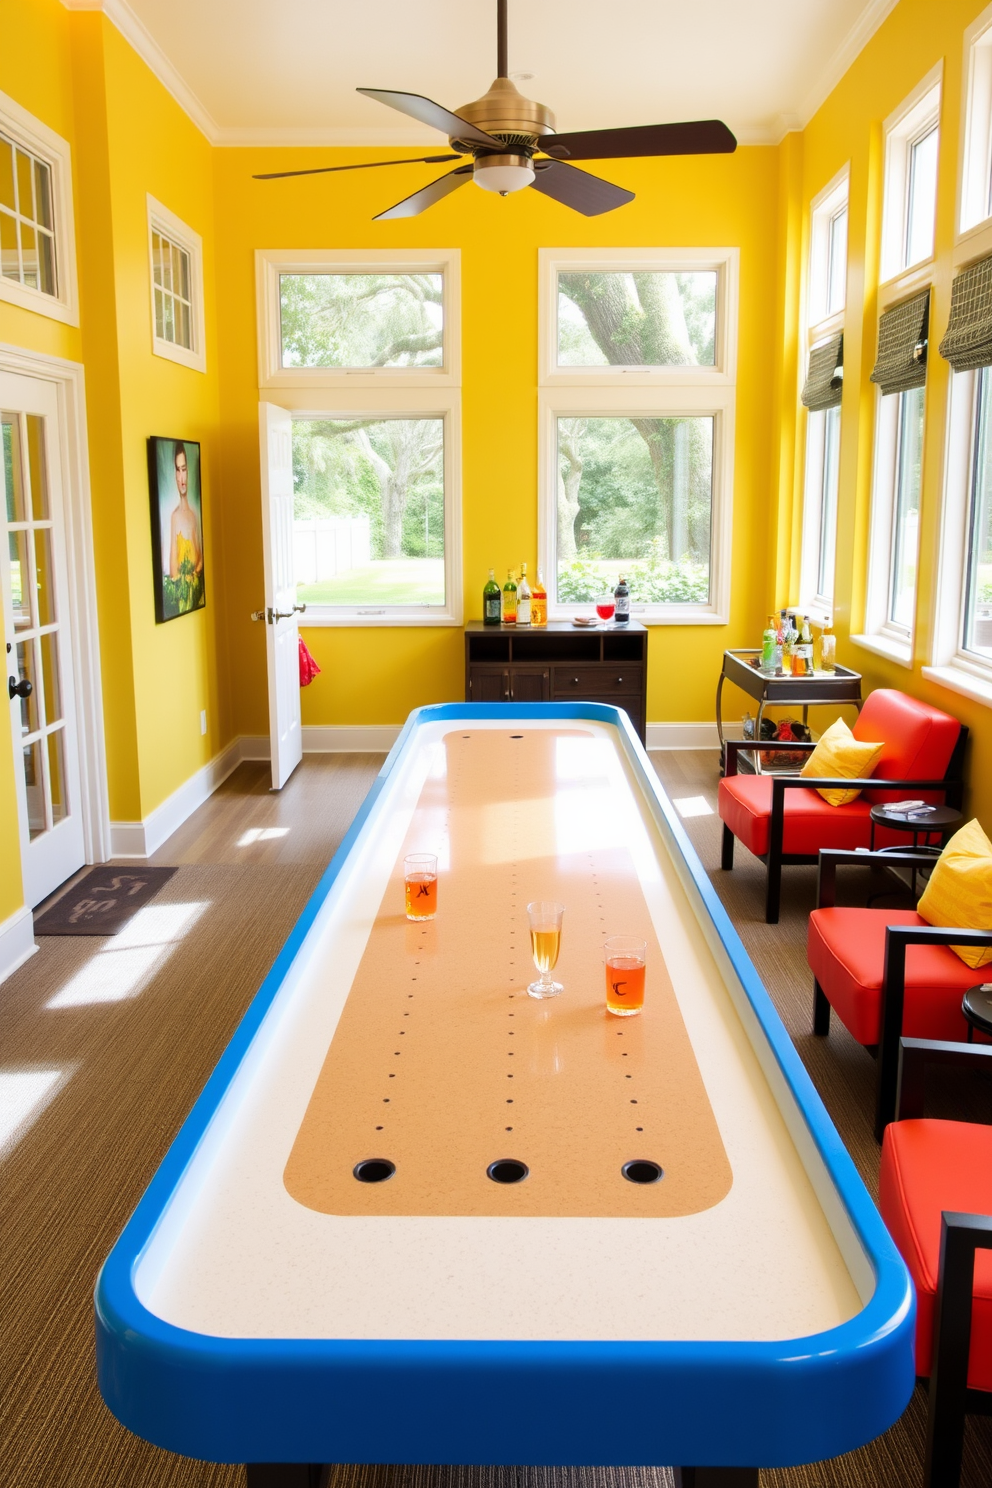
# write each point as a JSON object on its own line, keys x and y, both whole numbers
{"x": 420, "y": 879}
{"x": 545, "y": 918}
{"x": 624, "y": 957}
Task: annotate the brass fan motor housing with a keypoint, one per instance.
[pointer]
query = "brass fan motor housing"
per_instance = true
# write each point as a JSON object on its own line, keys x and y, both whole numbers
{"x": 505, "y": 113}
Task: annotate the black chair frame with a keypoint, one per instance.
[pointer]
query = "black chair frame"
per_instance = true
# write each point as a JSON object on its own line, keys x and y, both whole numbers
{"x": 952, "y": 787}
{"x": 950, "y": 1399}
{"x": 898, "y": 938}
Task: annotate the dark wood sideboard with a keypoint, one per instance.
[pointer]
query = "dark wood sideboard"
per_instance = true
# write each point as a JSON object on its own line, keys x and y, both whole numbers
{"x": 559, "y": 662}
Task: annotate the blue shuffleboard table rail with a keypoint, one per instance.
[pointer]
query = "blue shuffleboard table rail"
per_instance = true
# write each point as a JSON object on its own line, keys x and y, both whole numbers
{"x": 724, "y": 1402}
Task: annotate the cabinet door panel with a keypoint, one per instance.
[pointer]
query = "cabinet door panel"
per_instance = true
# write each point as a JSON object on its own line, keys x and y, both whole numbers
{"x": 488, "y": 685}
{"x": 528, "y": 685}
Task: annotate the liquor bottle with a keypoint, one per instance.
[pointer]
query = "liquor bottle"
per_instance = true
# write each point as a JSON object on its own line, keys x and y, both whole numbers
{"x": 789, "y": 640}
{"x": 539, "y": 602}
{"x": 621, "y": 598}
{"x": 804, "y": 651}
{"x": 768, "y": 644}
{"x": 510, "y": 599}
{"x": 828, "y": 649}
{"x": 490, "y": 600}
{"x": 523, "y": 598}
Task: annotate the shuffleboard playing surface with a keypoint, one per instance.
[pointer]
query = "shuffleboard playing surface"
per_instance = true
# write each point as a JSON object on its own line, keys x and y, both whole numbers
{"x": 441, "y": 1064}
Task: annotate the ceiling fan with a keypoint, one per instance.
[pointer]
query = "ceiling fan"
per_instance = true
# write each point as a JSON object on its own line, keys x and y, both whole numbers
{"x": 505, "y": 135}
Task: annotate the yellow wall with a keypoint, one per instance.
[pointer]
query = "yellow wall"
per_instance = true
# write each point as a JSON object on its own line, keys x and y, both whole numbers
{"x": 378, "y": 675}
{"x": 75, "y": 72}
{"x": 848, "y": 128}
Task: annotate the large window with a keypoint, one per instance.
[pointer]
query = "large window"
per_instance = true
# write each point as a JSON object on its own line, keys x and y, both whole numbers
{"x": 976, "y": 620}
{"x": 363, "y": 352}
{"x": 638, "y": 361}
{"x": 826, "y": 296}
{"x": 37, "y": 257}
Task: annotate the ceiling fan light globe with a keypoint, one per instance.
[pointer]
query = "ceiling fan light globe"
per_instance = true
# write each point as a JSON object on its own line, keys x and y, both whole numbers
{"x": 503, "y": 173}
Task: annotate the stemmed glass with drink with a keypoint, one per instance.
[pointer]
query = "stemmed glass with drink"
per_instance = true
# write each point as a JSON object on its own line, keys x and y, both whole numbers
{"x": 605, "y": 607}
{"x": 545, "y": 917}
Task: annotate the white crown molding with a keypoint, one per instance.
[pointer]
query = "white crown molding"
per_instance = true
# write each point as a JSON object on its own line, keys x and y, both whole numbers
{"x": 342, "y": 139}
{"x": 869, "y": 21}
{"x": 140, "y": 38}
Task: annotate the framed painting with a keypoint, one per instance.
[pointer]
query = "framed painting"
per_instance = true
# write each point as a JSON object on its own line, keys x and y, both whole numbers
{"x": 177, "y": 526}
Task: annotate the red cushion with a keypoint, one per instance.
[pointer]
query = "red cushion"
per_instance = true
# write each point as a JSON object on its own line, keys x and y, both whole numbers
{"x": 745, "y": 804}
{"x": 927, "y": 1167}
{"x": 919, "y": 740}
{"x": 846, "y": 952}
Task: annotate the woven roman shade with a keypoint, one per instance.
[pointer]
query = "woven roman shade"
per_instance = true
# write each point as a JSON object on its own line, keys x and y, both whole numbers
{"x": 967, "y": 342}
{"x": 825, "y": 377}
{"x": 901, "y": 362}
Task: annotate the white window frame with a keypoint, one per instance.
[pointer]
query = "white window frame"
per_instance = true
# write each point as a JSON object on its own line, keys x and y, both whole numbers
{"x": 950, "y": 664}
{"x": 24, "y": 129}
{"x": 168, "y": 225}
{"x": 270, "y": 263}
{"x": 354, "y": 403}
{"x": 821, "y": 324}
{"x": 663, "y": 392}
{"x": 975, "y": 166}
{"x": 913, "y": 119}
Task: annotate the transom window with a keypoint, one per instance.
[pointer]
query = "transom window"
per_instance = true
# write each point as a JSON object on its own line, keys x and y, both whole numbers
{"x": 638, "y": 360}
{"x": 912, "y": 147}
{"x": 361, "y": 320}
{"x": 27, "y": 218}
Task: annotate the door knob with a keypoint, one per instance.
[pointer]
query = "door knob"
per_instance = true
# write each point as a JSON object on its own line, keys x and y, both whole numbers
{"x": 22, "y": 689}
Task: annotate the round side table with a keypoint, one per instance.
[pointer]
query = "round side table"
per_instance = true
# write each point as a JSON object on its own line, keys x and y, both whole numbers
{"x": 977, "y": 1008}
{"x": 941, "y": 820}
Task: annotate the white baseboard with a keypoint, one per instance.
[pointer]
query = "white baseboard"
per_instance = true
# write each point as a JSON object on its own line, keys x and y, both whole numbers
{"x": 16, "y": 941}
{"x": 370, "y": 738}
{"x": 140, "y": 839}
{"x": 683, "y": 736}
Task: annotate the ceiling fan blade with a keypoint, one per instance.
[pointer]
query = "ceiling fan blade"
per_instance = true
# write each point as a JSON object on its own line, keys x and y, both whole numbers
{"x": 428, "y": 112}
{"x": 703, "y": 137}
{"x": 412, "y": 206}
{"x": 578, "y": 189}
{"x": 323, "y": 170}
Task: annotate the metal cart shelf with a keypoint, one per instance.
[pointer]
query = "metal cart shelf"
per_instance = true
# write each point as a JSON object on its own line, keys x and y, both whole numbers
{"x": 767, "y": 688}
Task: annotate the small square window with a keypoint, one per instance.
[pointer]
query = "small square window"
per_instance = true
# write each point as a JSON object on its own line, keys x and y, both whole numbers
{"x": 607, "y": 319}
{"x": 361, "y": 320}
{"x": 176, "y": 257}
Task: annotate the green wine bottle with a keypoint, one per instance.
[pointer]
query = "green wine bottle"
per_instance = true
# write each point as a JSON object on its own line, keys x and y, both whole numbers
{"x": 510, "y": 600}
{"x": 491, "y": 600}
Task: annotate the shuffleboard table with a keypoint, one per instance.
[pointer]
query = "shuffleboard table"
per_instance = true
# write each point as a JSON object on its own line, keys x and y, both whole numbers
{"x": 417, "y": 1216}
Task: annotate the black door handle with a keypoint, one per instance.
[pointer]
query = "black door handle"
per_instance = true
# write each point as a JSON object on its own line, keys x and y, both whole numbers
{"x": 22, "y": 689}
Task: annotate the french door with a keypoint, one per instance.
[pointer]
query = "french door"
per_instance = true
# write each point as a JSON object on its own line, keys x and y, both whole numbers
{"x": 39, "y": 679}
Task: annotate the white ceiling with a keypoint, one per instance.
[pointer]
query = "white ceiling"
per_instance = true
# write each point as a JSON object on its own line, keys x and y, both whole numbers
{"x": 285, "y": 71}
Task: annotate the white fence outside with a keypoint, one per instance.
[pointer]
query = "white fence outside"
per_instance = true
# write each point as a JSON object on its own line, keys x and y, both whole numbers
{"x": 325, "y": 546}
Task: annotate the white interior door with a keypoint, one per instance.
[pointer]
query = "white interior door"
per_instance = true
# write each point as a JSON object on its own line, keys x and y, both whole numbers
{"x": 39, "y": 678}
{"x": 282, "y": 633}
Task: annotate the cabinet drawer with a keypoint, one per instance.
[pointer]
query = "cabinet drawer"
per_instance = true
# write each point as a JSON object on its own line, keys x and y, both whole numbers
{"x": 609, "y": 678}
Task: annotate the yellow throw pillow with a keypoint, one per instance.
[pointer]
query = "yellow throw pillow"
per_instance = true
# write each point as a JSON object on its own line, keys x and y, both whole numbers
{"x": 960, "y": 890}
{"x": 840, "y": 756}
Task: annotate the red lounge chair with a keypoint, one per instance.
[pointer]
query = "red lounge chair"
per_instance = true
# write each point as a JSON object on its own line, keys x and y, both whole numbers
{"x": 935, "y": 1194}
{"x": 784, "y": 820}
{"x": 886, "y": 972}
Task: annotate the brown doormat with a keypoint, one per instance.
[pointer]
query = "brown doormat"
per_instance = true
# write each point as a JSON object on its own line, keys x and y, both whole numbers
{"x": 102, "y": 901}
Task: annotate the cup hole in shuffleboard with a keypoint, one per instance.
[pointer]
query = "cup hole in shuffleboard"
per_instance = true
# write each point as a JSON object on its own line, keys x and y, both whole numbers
{"x": 516, "y": 736}
{"x": 507, "y": 1170}
{"x": 642, "y": 1171}
{"x": 374, "y": 1170}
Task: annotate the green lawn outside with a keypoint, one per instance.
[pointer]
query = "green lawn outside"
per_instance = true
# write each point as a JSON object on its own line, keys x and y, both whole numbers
{"x": 390, "y": 581}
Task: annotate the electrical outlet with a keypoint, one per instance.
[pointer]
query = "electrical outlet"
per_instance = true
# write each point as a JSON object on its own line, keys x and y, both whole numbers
{"x": 203, "y": 720}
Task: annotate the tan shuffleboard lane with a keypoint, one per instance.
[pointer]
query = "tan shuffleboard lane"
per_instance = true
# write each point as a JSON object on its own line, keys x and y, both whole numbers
{"x": 442, "y": 1064}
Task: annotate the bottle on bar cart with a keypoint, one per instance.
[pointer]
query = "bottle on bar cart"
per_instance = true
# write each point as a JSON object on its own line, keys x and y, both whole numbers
{"x": 523, "y": 598}
{"x": 621, "y": 599}
{"x": 539, "y": 602}
{"x": 768, "y": 640}
{"x": 804, "y": 651}
{"x": 491, "y": 600}
{"x": 510, "y": 599}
